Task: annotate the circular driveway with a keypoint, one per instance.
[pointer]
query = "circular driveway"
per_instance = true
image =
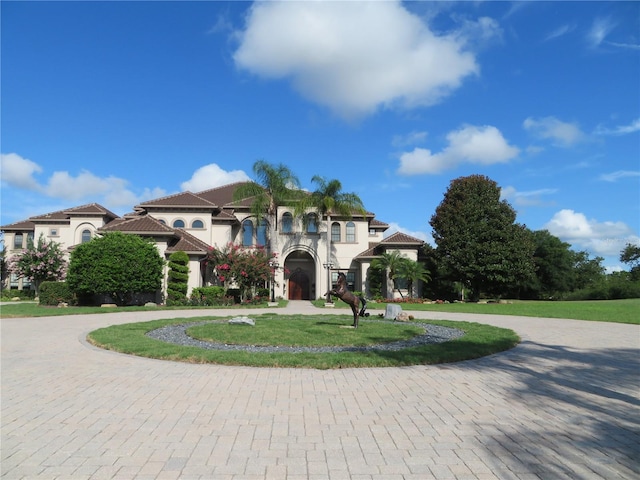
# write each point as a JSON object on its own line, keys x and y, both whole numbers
{"x": 565, "y": 403}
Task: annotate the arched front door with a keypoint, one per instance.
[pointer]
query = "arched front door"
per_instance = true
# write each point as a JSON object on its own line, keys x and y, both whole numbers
{"x": 299, "y": 286}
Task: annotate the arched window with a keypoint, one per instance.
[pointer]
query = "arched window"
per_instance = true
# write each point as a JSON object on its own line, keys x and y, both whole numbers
{"x": 162, "y": 221}
{"x": 287, "y": 222}
{"x": 197, "y": 224}
{"x": 17, "y": 241}
{"x": 247, "y": 233}
{"x": 86, "y": 236}
{"x": 312, "y": 223}
{"x": 335, "y": 232}
{"x": 178, "y": 224}
{"x": 261, "y": 233}
{"x": 351, "y": 232}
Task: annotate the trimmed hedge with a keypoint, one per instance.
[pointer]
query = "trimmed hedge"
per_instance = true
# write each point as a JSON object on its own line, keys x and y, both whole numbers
{"x": 54, "y": 293}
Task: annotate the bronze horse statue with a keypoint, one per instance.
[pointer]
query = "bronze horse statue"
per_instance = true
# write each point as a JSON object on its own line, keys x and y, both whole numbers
{"x": 343, "y": 293}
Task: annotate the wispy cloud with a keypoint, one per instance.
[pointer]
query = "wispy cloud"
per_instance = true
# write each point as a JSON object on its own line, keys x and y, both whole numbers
{"x": 559, "y": 32}
{"x": 615, "y": 176}
{"x": 526, "y": 199}
{"x": 600, "y": 29}
{"x": 620, "y": 129}
{"x": 412, "y": 138}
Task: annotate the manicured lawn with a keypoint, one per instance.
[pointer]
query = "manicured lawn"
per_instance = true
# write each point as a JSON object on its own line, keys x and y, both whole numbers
{"x": 479, "y": 340}
{"x": 619, "y": 311}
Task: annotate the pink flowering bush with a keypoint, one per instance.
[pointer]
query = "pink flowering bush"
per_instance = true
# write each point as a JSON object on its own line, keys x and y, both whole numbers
{"x": 39, "y": 263}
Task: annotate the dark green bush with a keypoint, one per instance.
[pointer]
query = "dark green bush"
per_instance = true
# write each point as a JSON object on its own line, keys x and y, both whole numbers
{"x": 116, "y": 265}
{"x": 209, "y": 296}
{"x": 53, "y": 293}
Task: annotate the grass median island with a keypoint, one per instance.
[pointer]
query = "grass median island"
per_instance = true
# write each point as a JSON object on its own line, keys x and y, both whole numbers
{"x": 300, "y": 330}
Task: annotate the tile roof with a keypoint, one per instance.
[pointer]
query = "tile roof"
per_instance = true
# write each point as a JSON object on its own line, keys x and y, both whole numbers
{"x": 401, "y": 238}
{"x": 377, "y": 224}
{"x": 62, "y": 216}
{"x": 138, "y": 225}
{"x": 187, "y": 243}
{"x": 223, "y": 195}
{"x": 183, "y": 199}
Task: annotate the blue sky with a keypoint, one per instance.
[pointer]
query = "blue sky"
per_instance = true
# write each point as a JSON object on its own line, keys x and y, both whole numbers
{"x": 121, "y": 102}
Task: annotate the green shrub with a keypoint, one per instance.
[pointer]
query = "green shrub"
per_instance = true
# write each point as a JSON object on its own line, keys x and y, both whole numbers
{"x": 116, "y": 265}
{"x": 53, "y": 293}
{"x": 209, "y": 296}
{"x": 178, "y": 278}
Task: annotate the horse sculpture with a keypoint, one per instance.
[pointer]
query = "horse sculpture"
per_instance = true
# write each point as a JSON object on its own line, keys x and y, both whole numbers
{"x": 343, "y": 293}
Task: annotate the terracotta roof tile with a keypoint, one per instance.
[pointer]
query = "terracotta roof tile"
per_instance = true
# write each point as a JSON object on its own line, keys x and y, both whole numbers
{"x": 19, "y": 226}
{"x": 183, "y": 199}
{"x": 223, "y": 195}
{"x": 401, "y": 238}
{"x": 138, "y": 225}
{"x": 377, "y": 224}
{"x": 188, "y": 243}
{"x": 91, "y": 209}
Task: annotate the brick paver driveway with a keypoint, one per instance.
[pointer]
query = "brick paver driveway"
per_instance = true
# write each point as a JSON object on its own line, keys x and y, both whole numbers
{"x": 565, "y": 403}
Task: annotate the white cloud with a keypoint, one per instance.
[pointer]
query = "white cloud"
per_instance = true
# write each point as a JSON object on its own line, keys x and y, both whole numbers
{"x": 620, "y": 129}
{"x": 113, "y": 192}
{"x": 471, "y": 144}
{"x": 526, "y": 199}
{"x": 601, "y": 238}
{"x": 355, "y": 57}
{"x": 18, "y": 172}
{"x": 211, "y": 176}
{"x": 559, "y": 32}
{"x": 615, "y": 176}
{"x": 562, "y": 134}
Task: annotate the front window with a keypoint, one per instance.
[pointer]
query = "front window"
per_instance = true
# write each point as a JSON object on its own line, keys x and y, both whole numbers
{"x": 17, "y": 241}
{"x": 86, "y": 236}
{"x": 262, "y": 233}
{"x": 197, "y": 224}
{"x": 351, "y": 232}
{"x": 178, "y": 224}
{"x": 335, "y": 232}
{"x": 287, "y": 223}
{"x": 312, "y": 223}
{"x": 247, "y": 233}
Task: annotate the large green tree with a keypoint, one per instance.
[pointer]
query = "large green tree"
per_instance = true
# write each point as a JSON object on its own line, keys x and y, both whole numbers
{"x": 390, "y": 263}
{"x": 479, "y": 241}
{"x": 275, "y": 185}
{"x": 116, "y": 264}
{"x": 329, "y": 200}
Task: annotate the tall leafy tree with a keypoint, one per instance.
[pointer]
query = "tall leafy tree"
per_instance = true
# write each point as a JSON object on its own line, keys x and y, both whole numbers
{"x": 587, "y": 271}
{"x": 39, "y": 262}
{"x": 631, "y": 256}
{"x": 327, "y": 200}
{"x": 554, "y": 261}
{"x": 275, "y": 185}
{"x": 479, "y": 242}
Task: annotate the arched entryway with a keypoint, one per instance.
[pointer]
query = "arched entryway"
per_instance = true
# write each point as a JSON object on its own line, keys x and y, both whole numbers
{"x": 301, "y": 279}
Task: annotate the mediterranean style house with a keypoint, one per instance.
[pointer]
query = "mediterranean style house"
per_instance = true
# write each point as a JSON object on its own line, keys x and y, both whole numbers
{"x": 192, "y": 222}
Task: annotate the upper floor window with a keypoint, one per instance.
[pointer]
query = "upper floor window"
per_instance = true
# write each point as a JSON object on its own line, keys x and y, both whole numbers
{"x": 262, "y": 233}
{"x": 247, "y": 233}
{"x": 53, "y": 232}
{"x": 17, "y": 241}
{"x": 197, "y": 224}
{"x": 178, "y": 224}
{"x": 86, "y": 236}
{"x": 335, "y": 232}
{"x": 312, "y": 223}
{"x": 351, "y": 232}
{"x": 287, "y": 222}
{"x": 162, "y": 221}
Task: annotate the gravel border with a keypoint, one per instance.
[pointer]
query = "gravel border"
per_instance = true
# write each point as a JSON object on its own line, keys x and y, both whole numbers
{"x": 177, "y": 335}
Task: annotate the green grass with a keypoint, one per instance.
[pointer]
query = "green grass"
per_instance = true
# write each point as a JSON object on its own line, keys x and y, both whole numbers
{"x": 24, "y": 309}
{"x": 479, "y": 340}
{"x": 619, "y": 311}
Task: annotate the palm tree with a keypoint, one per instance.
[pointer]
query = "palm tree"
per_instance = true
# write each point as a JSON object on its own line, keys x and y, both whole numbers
{"x": 327, "y": 200}
{"x": 413, "y": 272}
{"x": 275, "y": 186}
{"x": 391, "y": 262}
